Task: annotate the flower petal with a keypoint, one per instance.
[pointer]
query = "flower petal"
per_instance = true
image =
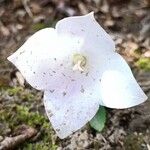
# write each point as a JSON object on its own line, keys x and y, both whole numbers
{"x": 46, "y": 64}
{"x": 86, "y": 27}
{"x": 69, "y": 113}
{"x": 45, "y": 60}
{"x": 37, "y": 58}
{"x": 119, "y": 88}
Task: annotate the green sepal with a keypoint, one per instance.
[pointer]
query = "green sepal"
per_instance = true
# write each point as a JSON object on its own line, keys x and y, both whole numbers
{"x": 99, "y": 120}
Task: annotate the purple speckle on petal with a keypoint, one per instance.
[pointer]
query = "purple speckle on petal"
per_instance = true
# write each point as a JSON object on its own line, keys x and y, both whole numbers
{"x": 82, "y": 89}
{"x": 51, "y": 91}
{"x": 64, "y": 93}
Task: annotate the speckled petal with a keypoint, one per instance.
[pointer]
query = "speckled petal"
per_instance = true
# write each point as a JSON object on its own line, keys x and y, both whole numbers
{"x": 95, "y": 39}
{"x": 83, "y": 35}
{"x": 37, "y": 58}
{"x": 119, "y": 88}
{"x": 68, "y": 113}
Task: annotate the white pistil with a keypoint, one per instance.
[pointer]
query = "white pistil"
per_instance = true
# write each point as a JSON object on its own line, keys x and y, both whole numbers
{"x": 79, "y": 62}
{"x": 78, "y": 66}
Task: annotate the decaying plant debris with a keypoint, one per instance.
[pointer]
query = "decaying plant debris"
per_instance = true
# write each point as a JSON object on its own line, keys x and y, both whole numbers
{"x": 128, "y": 22}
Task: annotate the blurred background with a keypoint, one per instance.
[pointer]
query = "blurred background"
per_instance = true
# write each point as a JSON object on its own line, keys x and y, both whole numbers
{"x": 23, "y": 123}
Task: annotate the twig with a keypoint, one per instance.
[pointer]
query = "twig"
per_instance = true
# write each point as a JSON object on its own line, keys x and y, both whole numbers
{"x": 136, "y": 9}
{"x": 11, "y": 142}
{"x": 148, "y": 146}
{"x": 27, "y": 8}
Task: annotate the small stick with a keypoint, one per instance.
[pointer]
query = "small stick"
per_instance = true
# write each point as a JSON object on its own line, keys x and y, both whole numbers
{"x": 11, "y": 142}
{"x": 27, "y": 8}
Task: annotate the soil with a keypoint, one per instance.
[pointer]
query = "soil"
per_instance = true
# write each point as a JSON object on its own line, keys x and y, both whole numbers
{"x": 127, "y": 21}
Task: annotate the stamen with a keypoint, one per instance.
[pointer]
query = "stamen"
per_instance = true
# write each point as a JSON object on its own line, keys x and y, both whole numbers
{"x": 78, "y": 66}
{"x": 79, "y": 62}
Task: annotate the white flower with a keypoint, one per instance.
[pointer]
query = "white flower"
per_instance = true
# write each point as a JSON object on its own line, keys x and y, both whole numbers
{"x": 77, "y": 67}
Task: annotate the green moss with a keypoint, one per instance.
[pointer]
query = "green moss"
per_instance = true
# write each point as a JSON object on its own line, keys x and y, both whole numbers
{"x": 31, "y": 118}
{"x": 14, "y": 116}
{"x": 39, "y": 146}
{"x": 144, "y": 63}
{"x": 38, "y": 26}
{"x": 17, "y": 112}
{"x": 20, "y": 92}
{"x": 14, "y": 90}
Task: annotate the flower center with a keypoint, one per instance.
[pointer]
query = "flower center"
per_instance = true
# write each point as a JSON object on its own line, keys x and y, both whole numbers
{"x": 79, "y": 62}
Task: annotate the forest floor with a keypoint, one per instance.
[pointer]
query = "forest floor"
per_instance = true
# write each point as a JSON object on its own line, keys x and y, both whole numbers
{"x": 22, "y": 116}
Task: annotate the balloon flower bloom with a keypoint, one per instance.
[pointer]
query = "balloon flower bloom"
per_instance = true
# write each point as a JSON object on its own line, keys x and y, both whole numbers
{"x": 77, "y": 68}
